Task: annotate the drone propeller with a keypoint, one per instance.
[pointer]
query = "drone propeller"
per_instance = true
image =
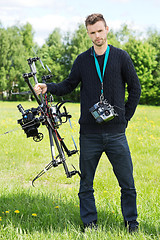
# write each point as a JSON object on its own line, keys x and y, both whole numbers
{"x": 15, "y": 129}
{"x": 42, "y": 64}
{"x": 39, "y": 59}
{"x": 48, "y": 68}
{"x": 21, "y": 93}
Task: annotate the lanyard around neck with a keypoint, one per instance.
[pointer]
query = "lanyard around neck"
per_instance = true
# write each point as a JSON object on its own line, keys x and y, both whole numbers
{"x": 101, "y": 75}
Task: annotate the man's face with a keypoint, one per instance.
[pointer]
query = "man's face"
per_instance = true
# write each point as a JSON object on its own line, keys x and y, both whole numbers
{"x": 98, "y": 33}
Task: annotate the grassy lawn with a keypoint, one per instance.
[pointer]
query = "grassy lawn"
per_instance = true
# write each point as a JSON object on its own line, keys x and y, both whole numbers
{"x": 50, "y": 210}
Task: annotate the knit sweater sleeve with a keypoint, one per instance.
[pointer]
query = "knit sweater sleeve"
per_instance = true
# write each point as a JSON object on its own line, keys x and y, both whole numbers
{"x": 67, "y": 85}
{"x": 133, "y": 86}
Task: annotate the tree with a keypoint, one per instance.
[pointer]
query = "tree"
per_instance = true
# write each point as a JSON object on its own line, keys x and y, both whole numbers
{"x": 124, "y": 34}
{"x": 52, "y": 52}
{"x": 4, "y": 45}
{"x": 144, "y": 59}
{"x": 60, "y": 53}
{"x": 55, "y": 38}
{"x": 80, "y": 41}
{"x": 112, "y": 39}
{"x": 154, "y": 40}
{"x": 27, "y": 34}
{"x": 13, "y": 60}
{"x": 75, "y": 44}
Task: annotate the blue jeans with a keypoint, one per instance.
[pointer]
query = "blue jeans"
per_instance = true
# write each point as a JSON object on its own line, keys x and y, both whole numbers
{"x": 116, "y": 148}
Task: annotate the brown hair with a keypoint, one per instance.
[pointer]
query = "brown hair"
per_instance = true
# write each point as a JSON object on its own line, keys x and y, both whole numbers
{"x": 93, "y": 18}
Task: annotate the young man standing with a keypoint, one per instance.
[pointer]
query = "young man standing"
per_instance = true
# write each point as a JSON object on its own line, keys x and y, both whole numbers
{"x": 103, "y": 72}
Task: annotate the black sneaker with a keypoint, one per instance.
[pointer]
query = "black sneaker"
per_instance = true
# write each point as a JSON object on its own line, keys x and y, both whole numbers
{"x": 132, "y": 226}
{"x": 91, "y": 226}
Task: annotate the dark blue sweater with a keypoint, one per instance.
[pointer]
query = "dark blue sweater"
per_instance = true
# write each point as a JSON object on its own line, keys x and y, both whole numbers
{"x": 119, "y": 73}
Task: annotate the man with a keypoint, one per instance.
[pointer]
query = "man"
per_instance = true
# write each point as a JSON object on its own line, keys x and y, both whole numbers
{"x": 103, "y": 72}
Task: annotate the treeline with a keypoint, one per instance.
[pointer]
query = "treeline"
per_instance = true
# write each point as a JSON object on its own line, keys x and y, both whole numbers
{"x": 60, "y": 50}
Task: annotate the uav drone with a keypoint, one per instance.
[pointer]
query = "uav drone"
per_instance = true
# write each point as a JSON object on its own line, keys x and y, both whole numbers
{"x": 50, "y": 115}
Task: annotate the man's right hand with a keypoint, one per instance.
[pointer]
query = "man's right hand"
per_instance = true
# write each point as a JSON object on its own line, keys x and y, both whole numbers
{"x": 40, "y": 88}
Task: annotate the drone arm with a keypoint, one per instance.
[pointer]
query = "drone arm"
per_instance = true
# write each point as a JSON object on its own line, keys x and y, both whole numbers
{"x": 56, "y": 136}
{"x": 53, "y": 133}
{"x": 69, "y": 153}
{"x": 31, "y": 63}
{"x": 52, "y": 147}
{"x": 26, "y": 78}
{"x": 61, "y": 154}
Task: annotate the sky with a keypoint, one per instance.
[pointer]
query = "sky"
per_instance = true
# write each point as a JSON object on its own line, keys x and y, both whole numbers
{"x": 46, "y": 15}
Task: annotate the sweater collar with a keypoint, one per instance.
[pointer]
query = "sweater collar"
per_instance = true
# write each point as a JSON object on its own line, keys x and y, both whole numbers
{"x": 92, "y": 51}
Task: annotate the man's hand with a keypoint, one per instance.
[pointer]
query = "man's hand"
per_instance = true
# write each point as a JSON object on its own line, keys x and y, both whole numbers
{"x": 40, "y": 88}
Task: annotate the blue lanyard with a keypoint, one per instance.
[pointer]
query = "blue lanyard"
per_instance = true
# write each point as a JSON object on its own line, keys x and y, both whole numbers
{"x": 101, "y": 75}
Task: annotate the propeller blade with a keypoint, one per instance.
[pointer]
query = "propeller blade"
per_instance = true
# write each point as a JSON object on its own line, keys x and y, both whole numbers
{"x": 42, "y": 64}
{"x": 21, "y": 93}
{"x": 48, "y": 68}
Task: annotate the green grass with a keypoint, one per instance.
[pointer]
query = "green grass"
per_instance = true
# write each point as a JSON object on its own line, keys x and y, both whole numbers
{"x": 51, "y": 209}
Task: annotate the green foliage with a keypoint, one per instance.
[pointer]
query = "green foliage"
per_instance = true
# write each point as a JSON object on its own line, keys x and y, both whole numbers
{"x": 154, "y": 40}
{"x": 27, "y": 33}
{"x": 13, "y": 57}
{"x": 143, "y": 56}
{"x": 125, "y": 33}
{"x": 79, "y": 43}
{"x": 112, "y": 39}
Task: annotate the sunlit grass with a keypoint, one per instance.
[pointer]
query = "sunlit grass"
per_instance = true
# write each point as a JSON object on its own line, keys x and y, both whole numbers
{"x": 51, "y": 209}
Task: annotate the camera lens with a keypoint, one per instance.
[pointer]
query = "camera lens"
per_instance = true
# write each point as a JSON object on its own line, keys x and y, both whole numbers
{"x": 107, "y": 113}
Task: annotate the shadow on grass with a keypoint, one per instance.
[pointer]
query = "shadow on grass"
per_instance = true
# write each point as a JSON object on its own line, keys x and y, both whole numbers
{"x": 39, "y": 212}
{"x": 114, "y": 222}
{"x": 30, "y": 212}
